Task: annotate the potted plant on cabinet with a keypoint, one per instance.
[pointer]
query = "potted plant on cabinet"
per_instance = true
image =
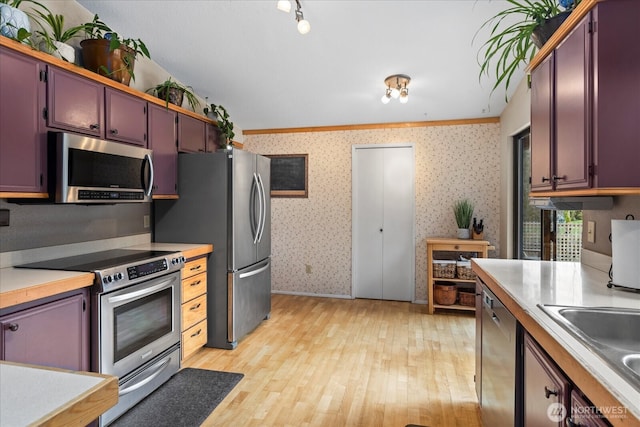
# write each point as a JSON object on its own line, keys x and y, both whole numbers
{"x": 512, "y": 45}
{"x": 225, "y": 125}
{"x": 173, "y": 92}
{"x": 12, "y": 19}
{"x": 55, "y": 41}
{"x": 107, "y": 53}
{"x": 463, "y": 212}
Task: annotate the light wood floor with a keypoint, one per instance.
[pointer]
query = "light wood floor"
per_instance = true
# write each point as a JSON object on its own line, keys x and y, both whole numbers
{"x": 334, "y": 362}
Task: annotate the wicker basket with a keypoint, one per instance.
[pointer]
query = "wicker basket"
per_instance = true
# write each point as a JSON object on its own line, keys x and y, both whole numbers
{"x": 467, "y": 298}
{"x": 463, "y": 270}
{"x": 444, "y": 269}
{"x": 445, "y": 294}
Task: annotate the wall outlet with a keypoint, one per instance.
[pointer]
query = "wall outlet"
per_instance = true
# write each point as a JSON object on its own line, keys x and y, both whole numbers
{"x": 307, "y": 268}
{"x": 146, "y": 221}
{"x": 591, "y": 231}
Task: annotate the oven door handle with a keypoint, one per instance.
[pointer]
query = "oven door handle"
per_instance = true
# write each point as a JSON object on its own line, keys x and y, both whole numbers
{"x": 157, "y": 370}
{"x": 141, "y": 292}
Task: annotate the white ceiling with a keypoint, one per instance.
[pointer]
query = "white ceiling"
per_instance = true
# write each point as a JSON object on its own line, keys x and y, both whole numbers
{"x": 248, "y": 56}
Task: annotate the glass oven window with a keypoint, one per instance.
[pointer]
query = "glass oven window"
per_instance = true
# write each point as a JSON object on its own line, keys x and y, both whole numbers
{"x": 141, "y": 322}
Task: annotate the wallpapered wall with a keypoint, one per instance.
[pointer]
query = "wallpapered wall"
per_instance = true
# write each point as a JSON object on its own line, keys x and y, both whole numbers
{"x": 452, "y": 162}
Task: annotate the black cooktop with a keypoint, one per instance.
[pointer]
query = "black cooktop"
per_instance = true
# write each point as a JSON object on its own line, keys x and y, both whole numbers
{"x": 97, "y": 260}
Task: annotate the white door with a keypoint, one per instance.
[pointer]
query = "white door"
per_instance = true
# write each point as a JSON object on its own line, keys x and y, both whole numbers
{"x": 383, "y": 222}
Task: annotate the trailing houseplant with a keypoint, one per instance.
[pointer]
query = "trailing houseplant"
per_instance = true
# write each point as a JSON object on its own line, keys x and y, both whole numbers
{"x": 55, "y": 38}
{"x": 512, "y": 45}
{"x": 106, "y": 52}
{"x": 463, "y": 212}
{"x": 173, "y": 92}
{"x": 224, "y": 124}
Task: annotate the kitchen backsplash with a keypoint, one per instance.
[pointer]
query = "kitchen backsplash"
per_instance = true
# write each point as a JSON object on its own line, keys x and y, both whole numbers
{"x": 622, "y": 206}
{"x": 40, "y": 225}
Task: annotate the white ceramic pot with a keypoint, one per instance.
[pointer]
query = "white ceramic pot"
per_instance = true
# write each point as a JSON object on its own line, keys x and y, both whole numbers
{"x": 464, "y": 233}
{"x": 11, "y": 20}
{"x": 62, "y": 51}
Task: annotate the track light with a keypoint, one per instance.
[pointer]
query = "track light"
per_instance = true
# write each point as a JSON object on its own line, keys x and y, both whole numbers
{"x": 396, "y": 88}
{"x": 303, "y": 25}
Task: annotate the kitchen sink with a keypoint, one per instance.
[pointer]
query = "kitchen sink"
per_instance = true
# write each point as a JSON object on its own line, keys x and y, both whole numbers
{"x": 611, "y": 333}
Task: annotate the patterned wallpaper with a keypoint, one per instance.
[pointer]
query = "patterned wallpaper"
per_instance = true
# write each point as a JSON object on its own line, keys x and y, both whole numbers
{"x": 311, "y": 238}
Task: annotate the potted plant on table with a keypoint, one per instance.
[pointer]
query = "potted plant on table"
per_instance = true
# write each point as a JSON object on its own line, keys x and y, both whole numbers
{"x": 463, "y": 212}
{"x": 511, "y": 45}
{"x": 224, "y": 124}
{"x": 55, "y": 41}
{"x": 173, "y": 92}
{"x": 107, "y": 53}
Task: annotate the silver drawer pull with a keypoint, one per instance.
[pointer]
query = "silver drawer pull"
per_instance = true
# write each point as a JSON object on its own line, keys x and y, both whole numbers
{"x": 197, "y": 267}
{"x": 197, "y": 333}
{"x": 196, "y": 283}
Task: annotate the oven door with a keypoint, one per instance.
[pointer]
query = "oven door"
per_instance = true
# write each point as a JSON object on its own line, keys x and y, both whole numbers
{"x": 137, "y": 323}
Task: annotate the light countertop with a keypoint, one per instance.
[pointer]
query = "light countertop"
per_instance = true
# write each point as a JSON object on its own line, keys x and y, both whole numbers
{"x": 522, "y": 285}
{"x": 34, "y": 395}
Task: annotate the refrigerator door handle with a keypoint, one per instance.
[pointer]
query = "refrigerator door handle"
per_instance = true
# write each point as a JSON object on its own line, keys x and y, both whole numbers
{"x": 263, "y": 208}
{"x": 254, "y": 272}
{"x": 256, "y": 181}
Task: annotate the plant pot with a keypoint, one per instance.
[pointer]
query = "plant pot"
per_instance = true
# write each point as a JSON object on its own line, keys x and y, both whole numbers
{"x": 113, "y": 64}
{"x": 11, "y": 20}
{"x": 543, "y": 32}
{"x": 464, "y": 233}
{"x": 173, "y": 95}
{"x": 61, "y": 51}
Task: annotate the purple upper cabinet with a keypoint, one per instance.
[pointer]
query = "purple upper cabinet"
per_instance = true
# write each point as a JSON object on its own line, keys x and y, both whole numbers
{"x": 74, "y": 103}
{"x": 213, "y": 137}
{"x": 595, "y": 108}
{"x": 572, "y": 135}
{"x": 616, "y": 94}
{"x": 542, "y": 125}
{"x": 163, "y": 143}
{"x": 52, "y": 334}
{"x": 126, "y": 118}
{"x": 191, "y": 134}
{"x": 22, "y": 141}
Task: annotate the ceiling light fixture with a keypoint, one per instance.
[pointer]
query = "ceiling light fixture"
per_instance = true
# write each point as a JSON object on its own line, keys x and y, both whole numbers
{"x": 303, "y": 25}
{"x": 396, "y": 88}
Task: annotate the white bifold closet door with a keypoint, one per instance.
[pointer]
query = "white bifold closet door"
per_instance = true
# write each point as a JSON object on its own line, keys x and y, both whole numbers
{"x": 383, "y": 220}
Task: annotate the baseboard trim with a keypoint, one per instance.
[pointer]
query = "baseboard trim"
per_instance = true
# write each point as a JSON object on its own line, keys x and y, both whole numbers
{"x": 311, "y": 294}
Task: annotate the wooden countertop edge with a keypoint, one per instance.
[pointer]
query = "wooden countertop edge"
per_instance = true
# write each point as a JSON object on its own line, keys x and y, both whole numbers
{"x": 579, "y": 375}
{"x": 202, "y": 250}
{"x": 622, "y": 191}
{"x": 46, "y": 289}
{"x": 87, "y": 406}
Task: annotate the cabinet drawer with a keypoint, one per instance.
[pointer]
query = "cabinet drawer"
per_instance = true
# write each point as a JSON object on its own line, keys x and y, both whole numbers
{"x": 194, "y": 267}
{"x": 194, "y": 286}
{"x": 194, "y": 311}
{"x": 194, "y": 338}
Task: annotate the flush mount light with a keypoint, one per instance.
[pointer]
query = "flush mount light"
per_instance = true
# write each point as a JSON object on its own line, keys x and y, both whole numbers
{"x": 303, "y": 25}
{"x": 396, "y": 88}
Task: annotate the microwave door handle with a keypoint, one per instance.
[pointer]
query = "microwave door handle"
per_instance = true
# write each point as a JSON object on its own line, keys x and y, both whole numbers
{"x": 147, "y": 191}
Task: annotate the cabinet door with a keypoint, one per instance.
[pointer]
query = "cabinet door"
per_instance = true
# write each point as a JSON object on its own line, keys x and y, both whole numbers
{"x": 74, "y": 103}
{"x": 52, "y": 334}
{"x": 545, "y": 388}
{"x": 126, "y": 118}
{"x": 22, "y": 143}
{"x": 162, "y": 141}
{"x": 213, "y": 138}
{"x": 191, "y": 134}
{"x": 572, "y": 136}
{"x": 585, "y": 413}
{"x": 542, "y": 125}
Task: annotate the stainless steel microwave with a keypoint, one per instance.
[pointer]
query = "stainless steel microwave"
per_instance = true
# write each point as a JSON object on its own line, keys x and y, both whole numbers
{"x": 88, "y": 170}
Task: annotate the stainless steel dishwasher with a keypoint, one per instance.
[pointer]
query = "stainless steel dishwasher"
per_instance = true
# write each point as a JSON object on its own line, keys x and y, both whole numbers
{"x": 498, "y": 369}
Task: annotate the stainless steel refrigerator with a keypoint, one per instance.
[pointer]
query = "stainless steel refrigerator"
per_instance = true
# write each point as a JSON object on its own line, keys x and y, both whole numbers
{"x": 225, "y": 200}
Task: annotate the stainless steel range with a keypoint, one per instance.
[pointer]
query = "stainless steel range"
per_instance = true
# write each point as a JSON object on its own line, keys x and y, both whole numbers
{"x": 135, "y": 318}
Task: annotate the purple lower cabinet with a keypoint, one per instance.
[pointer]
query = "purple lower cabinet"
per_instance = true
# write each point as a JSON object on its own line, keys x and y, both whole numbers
{"x": 54, "y": 333}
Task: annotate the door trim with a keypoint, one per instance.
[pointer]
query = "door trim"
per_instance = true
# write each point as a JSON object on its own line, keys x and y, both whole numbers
{"x": 354, "y": 211}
